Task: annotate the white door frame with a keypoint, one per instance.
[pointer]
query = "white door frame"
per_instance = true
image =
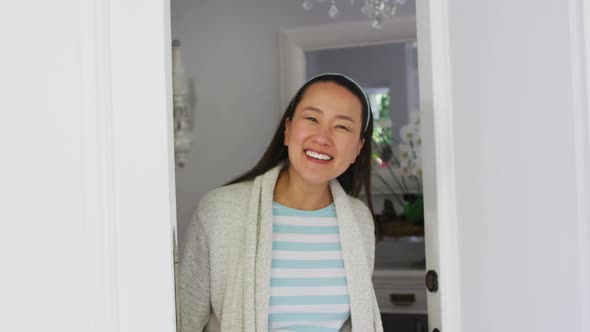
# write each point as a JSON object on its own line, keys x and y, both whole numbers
{"x": 140, "y": 145}
{"x": 579, "y": 11}
{"x": 441, "y": 228}
{"x": 430, "y": 29}
{"x": 129, "y": 178}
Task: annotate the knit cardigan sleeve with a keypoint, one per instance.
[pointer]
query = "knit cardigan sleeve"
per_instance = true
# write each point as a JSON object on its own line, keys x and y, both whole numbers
{"x": 194, "y": 279}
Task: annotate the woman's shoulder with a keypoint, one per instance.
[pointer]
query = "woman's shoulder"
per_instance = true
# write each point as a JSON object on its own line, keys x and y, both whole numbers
{"x": 362, "y": 214}
{"x": 222, "y": 207}
{"x": 359, "y": 207}
{"x": 225, "y": 195}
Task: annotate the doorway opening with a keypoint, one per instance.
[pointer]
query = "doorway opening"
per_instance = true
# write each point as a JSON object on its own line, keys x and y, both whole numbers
{"x": 239, "y": 78}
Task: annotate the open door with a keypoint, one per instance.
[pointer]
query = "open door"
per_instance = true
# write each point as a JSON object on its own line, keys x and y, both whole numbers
{"x": 504, "y": 101}
{"x": 88, "y": 212}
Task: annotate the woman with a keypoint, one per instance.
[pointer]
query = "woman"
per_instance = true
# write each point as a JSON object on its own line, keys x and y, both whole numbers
{"x": 286, "y": 246}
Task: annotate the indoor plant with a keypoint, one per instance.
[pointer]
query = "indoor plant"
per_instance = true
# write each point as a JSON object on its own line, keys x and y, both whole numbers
{"x": 397, "y": 165}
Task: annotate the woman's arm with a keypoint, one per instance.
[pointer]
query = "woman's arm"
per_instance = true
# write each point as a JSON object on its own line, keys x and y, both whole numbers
{"x": 195, "y": 304}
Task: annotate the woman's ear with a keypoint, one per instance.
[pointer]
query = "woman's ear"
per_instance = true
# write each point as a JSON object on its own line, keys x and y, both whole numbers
{"x": 358, "y": 151}
{"x": 287, "y": 126}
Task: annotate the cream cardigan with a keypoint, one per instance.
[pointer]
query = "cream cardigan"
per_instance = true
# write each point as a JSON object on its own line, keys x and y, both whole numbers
{"x": 225, "y": 264}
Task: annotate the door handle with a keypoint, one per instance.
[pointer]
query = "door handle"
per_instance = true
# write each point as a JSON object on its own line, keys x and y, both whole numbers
{"x": 402, "y": 300}
{"x": 432, "y": 281}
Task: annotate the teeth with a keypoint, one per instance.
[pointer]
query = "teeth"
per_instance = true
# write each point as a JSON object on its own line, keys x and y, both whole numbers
{"x": 317, "y": 155}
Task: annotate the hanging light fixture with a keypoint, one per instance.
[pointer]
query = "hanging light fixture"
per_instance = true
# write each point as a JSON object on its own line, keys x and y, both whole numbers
{"x": 182, "y": 111}
{"x": 377, "y": 10}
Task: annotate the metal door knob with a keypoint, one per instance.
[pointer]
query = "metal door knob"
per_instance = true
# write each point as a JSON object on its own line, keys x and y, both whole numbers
{"x": 432, "y": 281}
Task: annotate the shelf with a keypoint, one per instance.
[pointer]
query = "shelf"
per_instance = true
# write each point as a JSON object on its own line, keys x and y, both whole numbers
{"x": 397, "y": 228}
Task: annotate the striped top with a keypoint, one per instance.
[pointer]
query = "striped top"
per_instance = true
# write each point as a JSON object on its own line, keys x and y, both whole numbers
{"x": 308, "y": 289}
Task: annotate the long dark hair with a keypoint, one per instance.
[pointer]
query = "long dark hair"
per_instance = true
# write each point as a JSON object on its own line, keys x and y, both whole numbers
{"x": 358, "y": 174}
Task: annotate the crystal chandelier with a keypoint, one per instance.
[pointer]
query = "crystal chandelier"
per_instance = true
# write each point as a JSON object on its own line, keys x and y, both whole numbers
{"x": 377, "y": 10}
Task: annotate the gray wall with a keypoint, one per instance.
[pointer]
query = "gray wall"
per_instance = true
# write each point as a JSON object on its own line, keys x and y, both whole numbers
{"x": 231, "y": 52}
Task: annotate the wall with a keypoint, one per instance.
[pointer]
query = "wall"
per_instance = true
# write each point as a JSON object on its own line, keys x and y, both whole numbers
{"x": 231, "y": 51}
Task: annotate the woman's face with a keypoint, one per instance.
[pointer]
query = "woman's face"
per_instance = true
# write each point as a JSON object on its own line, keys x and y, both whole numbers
{"x": 323, "y": 138}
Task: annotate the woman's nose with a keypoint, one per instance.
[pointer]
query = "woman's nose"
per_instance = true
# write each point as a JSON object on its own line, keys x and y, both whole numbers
{"x": 324, "y": 135}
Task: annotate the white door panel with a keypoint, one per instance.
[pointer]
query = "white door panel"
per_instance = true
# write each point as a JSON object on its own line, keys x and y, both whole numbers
{"x": 517, "y": 112}
{"x": 86, "y": 182}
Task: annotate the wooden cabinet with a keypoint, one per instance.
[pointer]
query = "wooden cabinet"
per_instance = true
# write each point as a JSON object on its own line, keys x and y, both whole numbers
{"x": 401, "y": 295}
{"x": 400, "y": 291}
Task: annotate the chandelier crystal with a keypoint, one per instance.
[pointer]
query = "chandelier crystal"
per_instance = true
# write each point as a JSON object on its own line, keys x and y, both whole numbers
{"x": 377, "y": 10}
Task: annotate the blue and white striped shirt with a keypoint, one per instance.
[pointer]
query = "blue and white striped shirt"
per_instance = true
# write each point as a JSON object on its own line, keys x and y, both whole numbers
{"x": 308, "y": 289}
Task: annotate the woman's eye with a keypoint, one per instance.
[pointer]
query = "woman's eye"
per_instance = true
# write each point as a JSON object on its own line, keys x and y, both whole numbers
{"x": 342, "y": 127}
{"x": 312, "y": 119}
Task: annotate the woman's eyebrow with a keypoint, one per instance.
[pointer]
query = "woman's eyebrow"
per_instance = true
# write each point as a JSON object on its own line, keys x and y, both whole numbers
{"x": 339, "y": 116}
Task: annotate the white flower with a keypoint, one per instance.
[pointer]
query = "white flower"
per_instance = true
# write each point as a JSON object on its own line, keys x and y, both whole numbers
{"x": 405, "y": 152}
{"x": 418, "y": 142}
{"x": 411, "y": 131}
{"x": 405, "y": 169}
{"x": 407, "y": 133}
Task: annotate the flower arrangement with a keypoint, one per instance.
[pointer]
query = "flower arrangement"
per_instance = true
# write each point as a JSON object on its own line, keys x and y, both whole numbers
{"x": 397, "y": 164}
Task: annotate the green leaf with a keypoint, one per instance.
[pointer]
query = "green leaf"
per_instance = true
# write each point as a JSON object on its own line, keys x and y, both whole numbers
{"x": 414, "y": 211}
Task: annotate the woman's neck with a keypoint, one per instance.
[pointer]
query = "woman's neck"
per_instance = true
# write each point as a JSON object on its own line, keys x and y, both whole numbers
{"x": 293, "y": 192}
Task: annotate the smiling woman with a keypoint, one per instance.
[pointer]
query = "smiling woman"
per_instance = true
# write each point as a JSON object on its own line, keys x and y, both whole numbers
{"x": 288, "y": 245}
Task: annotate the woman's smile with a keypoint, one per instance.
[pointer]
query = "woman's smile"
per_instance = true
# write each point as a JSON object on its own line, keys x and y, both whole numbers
{"x": 317, "y": 156}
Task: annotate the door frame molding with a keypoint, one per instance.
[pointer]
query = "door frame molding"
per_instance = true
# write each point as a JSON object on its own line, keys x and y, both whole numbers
{"x": 130, "y": 209}
{"x": 436, "y": 105}
{"x": 294, "y": 42}
{"x": 579, "y": 11}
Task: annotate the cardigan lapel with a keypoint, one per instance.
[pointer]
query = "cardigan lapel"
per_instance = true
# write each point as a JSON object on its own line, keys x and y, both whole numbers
{"x": 246, "y": 306}
{"x": 264, "y": 247}
{"x": 355, "y": 262}
{"x": 239, "y": 304}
